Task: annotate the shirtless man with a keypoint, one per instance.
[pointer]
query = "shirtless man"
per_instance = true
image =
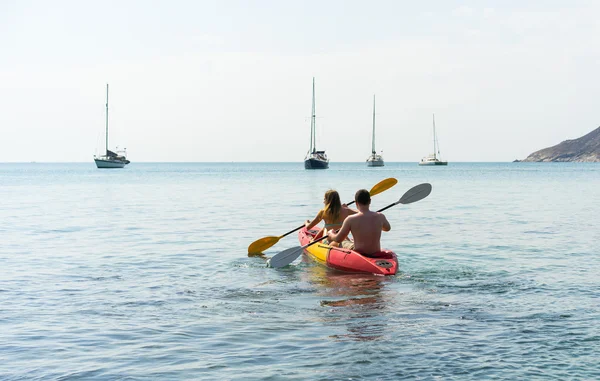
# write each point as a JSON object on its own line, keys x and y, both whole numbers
{"x": 365, "y": 226}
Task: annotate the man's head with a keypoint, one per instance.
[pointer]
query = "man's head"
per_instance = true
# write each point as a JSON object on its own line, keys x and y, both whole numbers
{"x": 362, "y": 197}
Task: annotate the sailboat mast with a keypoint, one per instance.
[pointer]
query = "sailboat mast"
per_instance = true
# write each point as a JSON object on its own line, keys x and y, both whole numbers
{"x": 313, "y": 138}
{"x": 373, "y": 138}
{"x": 434, "y": 148}
{"x": 107, "y": 119}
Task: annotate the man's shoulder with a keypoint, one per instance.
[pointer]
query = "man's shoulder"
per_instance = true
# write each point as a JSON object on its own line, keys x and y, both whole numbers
{"x": 354, "y": 216}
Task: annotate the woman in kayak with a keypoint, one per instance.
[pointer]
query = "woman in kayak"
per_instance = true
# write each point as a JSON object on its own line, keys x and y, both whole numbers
{"x": 334, "y": 214}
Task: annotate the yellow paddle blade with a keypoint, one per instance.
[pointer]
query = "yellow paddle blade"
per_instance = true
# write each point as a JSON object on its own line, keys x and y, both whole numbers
{"x": 382, "y": 186}
{"x": 262, "y": 244}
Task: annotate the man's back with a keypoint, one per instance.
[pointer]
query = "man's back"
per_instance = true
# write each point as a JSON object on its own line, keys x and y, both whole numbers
{"x": 365, "y": 226}
{"x": 366, "y": 229}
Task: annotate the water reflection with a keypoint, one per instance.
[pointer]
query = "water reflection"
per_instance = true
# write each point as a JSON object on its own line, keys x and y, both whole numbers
{"x": 357, "y": 301}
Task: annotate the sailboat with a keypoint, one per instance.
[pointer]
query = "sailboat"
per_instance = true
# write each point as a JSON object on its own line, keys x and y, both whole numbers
{"x": 314, "y": 159}
{"x": 374, "y": 160}
{"x": 111, "y": 159}
{"x": 434, "y": 158}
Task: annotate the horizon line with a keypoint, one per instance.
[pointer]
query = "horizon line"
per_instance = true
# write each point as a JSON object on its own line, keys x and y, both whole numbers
{"x": 253, "y": 162}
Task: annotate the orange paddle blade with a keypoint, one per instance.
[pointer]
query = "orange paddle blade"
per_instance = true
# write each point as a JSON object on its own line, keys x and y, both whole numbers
{"x": 262, "y": 244}
{"x": 382, "y": 186}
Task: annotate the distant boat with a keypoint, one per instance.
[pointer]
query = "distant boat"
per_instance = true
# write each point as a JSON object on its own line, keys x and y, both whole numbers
{"x": 374, "y": 160}
{"x": 434, "y": 158}
{"x": 314, "y": 159}
{"x": 111, "y": 159}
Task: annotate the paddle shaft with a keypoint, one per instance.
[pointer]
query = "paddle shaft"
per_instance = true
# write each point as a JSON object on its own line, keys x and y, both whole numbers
{"x": 389, "y": 182}
{"x": 389, "y": 206}
{"x": 291, "y": 231}
{"x": 301, "y": 226}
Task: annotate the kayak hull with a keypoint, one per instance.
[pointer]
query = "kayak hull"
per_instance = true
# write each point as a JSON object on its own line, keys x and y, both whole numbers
{"x": 382, "y": 263}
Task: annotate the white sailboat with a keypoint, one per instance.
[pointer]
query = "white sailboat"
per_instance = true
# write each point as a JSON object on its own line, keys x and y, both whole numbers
{"x": 434, "y": 158}
{"x": 374, "y": 160}
{"x": 111, "y": 159}
{"x": 314, "y": 159}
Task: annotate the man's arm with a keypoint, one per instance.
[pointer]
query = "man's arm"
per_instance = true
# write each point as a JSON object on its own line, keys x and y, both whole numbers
{"x": 342, "y": 233}
{"x": 386, "y": 227}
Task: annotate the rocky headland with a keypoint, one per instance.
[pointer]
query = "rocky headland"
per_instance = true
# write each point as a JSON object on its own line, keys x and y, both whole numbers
{"x": 583, "y": 149}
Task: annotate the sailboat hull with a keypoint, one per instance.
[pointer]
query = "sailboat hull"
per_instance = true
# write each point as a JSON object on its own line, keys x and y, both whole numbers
{"x": 315, "y": 164}
{"x": 432, "y": 163}
{"x": 100, "y": 163}
{"x": 375, "y": 163}
{"x": 375, "y": 160}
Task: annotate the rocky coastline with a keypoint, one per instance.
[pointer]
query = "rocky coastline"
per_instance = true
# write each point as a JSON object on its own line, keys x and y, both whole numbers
{"x": 583, "y": 149}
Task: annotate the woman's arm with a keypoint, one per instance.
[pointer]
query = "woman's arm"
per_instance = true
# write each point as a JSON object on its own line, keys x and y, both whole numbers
{"x": 317, "y": 219}
{"x": 349, "y": 210}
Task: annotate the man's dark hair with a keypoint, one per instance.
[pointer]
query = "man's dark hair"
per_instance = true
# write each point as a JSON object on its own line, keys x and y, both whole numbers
{"x": 362, "y": 197}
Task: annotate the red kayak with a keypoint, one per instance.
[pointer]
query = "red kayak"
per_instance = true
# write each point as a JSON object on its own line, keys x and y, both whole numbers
{"x": 381, "y": 263}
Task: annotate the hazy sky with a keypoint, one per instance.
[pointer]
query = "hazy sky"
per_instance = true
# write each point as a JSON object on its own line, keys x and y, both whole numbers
{"x": 231, "y": 80}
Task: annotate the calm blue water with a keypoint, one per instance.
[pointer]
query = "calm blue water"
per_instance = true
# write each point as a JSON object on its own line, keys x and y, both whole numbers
{"x": 142, "y": 273}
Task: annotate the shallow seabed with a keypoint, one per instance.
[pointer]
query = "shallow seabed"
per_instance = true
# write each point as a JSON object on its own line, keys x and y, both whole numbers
{"x": 142, "y": 273}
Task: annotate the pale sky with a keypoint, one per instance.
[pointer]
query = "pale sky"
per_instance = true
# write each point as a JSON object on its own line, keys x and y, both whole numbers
{"x": 232, "y": 80}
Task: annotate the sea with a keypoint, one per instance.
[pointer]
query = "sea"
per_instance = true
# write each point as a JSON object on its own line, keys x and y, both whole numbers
{"x": 142, "y": 273}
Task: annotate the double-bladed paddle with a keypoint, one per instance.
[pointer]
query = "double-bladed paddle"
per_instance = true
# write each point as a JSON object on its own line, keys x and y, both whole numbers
{"x": 288, "y": 256}
{"x": 264, "y": 243}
